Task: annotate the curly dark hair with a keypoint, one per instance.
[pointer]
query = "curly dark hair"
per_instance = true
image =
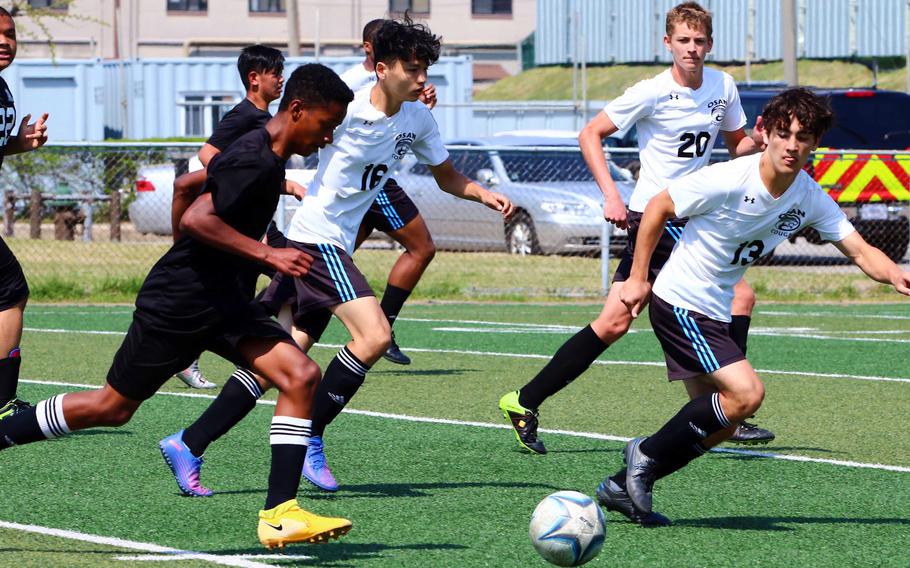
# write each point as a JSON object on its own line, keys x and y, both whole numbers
{"x": 812, "y": 111}
{"x": 258, "y": 58}
{"x": 402, "y": 40}
{"x": 315, "y": 85}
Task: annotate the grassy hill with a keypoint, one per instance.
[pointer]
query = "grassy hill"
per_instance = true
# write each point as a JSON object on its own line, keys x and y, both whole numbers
{"x": 555, "y": 83}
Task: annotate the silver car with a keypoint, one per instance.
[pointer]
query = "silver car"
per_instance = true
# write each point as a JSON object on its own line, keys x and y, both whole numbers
{"x": 559, "y": 208}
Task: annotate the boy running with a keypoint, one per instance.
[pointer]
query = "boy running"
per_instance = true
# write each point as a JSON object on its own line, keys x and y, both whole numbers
{"x": 381, "y": 126}
{"x": 737, "y": 212}
{"x": 679, "y": 114}
{"x": 198, "y": 296}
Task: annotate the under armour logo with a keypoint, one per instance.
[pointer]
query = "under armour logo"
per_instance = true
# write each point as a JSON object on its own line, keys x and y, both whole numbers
{"x": 748, "y": 199}
{"x": 674, "y": 96}
{"x": 368, "y": 123}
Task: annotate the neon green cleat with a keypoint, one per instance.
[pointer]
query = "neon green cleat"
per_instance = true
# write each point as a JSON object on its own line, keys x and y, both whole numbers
{"x": 13, "y": 407}
{"x": 523, "y": 421}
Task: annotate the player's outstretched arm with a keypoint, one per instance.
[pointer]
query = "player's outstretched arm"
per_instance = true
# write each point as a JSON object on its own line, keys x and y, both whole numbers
{"x": 590, "y": 140}
{"x": 452, "y": 181}
{"x": 874, "y": 263}
{"x": 186, "y": 189}
{"x": 203, "y": 223}
{"x": 30, "y": 136}
{"x": 636, "y": 289}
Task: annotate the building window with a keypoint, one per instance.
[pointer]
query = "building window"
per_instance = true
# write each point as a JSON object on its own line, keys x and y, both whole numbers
{"x": 415, "y": 6}
{"x": 61, "y": 5}
{"x": 491, "y": 7}
{"x": 187, "y": 5}
{"x": 272, "y": 6}
{"x": 202, "y": 111}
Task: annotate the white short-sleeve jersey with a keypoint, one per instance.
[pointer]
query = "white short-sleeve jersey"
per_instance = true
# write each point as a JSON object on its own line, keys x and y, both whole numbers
{"x": 352, "y": 169}
{"x": 677, "y": 126}
{"x": 357, "y": 77}
{"x": 733, "y": 220}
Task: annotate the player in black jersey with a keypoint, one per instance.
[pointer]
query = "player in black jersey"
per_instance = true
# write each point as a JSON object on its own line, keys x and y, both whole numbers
{"x": 13, "y": 288}
{"x": 198, "y": 296}
{"x": 260, "y": 68}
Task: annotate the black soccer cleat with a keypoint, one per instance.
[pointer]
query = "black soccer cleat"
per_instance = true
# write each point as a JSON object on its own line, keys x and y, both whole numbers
{"x": 394, "y": 355}
{"x": 615, "y": 498}
{"x": 523, "y": 421}
{"x": 748, "y": 433}
{"x": 640, "y": 475}
{"x": 13, "y": 407}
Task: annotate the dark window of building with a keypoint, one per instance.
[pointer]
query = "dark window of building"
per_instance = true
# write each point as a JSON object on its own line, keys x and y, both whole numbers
{"x": 488, "y": 7}
{"x": 187, "y": 5}
{"x": 49, "y": 5}
{"x": 272, "y": 6}
{"x": 416, "y": 6}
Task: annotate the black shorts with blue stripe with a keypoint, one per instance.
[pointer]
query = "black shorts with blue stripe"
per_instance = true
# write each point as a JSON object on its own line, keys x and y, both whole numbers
{"x": 668, "y": 238}
{"x": 391, "y": 210}
{"x": 693, "y": 343}
{"x": 333, "y": 279}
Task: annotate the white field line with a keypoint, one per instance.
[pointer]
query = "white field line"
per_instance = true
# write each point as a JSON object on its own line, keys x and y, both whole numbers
{"x": 547, "y": 357}
{"x": 192, "y": 556}
{"x": 842, "y": 315}
{"x": 171, "y": 553}
{"x": 475, "y": 424}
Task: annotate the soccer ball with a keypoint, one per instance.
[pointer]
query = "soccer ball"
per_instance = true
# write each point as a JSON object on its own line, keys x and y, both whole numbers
{"x": 567, "y": 528}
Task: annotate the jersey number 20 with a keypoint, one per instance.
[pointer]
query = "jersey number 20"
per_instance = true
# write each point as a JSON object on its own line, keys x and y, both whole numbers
{"x": 689, "y": 139}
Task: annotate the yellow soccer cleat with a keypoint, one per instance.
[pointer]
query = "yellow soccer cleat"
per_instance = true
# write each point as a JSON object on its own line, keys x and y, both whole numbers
{"x": 288, "y": 523}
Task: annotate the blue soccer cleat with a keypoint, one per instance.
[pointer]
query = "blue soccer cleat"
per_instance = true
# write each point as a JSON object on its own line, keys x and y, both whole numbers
{"x": 315, "y": 470}
{"x": 184, "y": 465}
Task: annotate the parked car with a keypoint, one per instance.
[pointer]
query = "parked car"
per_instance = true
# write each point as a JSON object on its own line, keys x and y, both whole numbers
{"x": 559, "y": 208}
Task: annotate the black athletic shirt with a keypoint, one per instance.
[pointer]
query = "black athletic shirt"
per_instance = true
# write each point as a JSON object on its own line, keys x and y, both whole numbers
{"x": 7, "y": 125}
{"x": 193, "y": 284}
{"x": 238, "y": 121}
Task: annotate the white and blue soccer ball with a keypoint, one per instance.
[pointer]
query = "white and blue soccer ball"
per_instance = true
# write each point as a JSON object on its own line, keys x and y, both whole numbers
{"x": 567, "y": 528}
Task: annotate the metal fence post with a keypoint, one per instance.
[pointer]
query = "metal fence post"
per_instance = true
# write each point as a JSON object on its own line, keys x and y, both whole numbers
{"x": 35, "y": 214}
{"x": 115, "y": 215}
{"x": 9, "y": 213}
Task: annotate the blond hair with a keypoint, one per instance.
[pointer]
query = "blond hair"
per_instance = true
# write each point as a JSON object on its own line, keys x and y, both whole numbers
{"x": 692, "y": 14}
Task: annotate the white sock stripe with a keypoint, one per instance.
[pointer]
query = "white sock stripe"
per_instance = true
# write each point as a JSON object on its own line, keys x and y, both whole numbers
{"x": 348, "y": 360}
{"x": 290, "y": 427}
{"x": 292, "y": 421}
{"x": 289, "y": 433}
{"x": 718, "y": 410}
{"x": 50, "y": 417}
{"x": 281, "y": 439}
{"x": 249, "y": 382}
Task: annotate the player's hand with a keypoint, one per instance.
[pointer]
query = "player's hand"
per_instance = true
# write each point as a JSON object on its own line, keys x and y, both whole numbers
{"x": 634, "y": 295}
{"x": 902, "y": 283}
{"x": 291, "y": 187}
{"x": 428, "y": 96}
{"x": 499, "y": 202}
{"x": 32, "y": 136}
{"x": 615, "y": 212}
{"x": 757, "y": 132}
{"x": 289, "y": 261}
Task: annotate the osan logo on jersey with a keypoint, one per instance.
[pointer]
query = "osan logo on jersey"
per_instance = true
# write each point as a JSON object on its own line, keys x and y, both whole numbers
{"x": 403, "y": 143}
{"x": 789, "y": 222}
{"x": 718, "y": 109}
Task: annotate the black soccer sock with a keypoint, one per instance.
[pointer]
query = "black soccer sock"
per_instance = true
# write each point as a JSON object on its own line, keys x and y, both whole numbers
{"x": 739, "y": 331}
{"x": 571, "y": 360}
{"x": 236, "y": 399}
{"x": 392, "y": 301}
{"x": 9, "y": 376}
{"x": 682, "y": 435}
{"x": 288, "y": 437}
{"x": 342, "y": 378}
{"x": 43, "y": 421}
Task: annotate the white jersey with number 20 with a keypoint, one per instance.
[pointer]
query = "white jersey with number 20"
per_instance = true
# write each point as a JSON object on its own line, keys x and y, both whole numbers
{"x": 677, "y": 126}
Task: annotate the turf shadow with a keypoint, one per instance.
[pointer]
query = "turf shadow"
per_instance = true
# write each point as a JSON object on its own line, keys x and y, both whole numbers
{"x": 382, "y": 490}
{"x": 423, "y": 372}
{"x": 752, "y": 523}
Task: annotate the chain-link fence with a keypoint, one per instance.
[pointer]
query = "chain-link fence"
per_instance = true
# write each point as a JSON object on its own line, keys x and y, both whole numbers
{"x": 87, "y": 222}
